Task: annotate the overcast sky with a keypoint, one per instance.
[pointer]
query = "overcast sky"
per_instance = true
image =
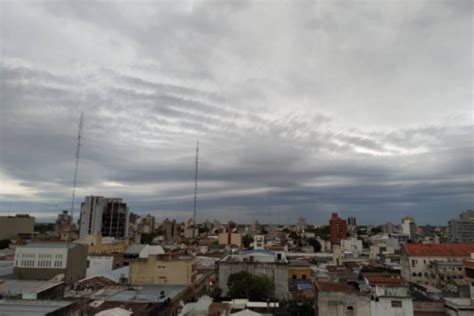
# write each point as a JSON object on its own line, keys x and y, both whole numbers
{"x": 364, "y": 108}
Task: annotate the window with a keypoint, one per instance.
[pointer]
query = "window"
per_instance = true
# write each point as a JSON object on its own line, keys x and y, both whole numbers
{"x": 396, "y": 304}
{"x": 413, "y": 274}
{"x": 413, "y": 263}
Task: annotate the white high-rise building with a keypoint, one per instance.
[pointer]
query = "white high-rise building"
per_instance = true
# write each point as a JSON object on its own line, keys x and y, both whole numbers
{"x": 409, "y": 227}
{"x": 108, "y": 216}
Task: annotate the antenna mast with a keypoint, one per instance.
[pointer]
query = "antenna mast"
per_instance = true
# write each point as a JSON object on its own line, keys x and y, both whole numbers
{"x": 81, "y": 119}
{"x": 195, "y": 188}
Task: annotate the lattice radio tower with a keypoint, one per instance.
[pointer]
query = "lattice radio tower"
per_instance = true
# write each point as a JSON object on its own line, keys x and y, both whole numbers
{"x": 78, "y": 149}
{"x": 195, "y": 188}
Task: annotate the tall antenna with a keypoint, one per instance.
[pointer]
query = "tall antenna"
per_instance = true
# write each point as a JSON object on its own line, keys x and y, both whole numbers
{"x": 195, "y": 188}
{"x": 270, "y": 227}
{"x": 74, "y": 183}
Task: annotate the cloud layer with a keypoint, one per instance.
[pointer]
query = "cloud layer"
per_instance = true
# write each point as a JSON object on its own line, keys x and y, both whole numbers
{"x": 360, "y": 108}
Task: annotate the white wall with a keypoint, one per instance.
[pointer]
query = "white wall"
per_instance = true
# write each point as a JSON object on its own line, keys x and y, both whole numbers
{"x": 99, "y": 264}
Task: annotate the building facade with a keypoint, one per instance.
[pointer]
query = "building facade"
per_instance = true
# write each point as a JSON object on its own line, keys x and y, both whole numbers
{"x": 423, "y": 263}
{"x": 163, "y": 269}
{"x": 409, "y": 227}
{"x": 258, "y": 262}
{"x": 108, "y": 216}
{"x": 462, "y": 229}
{"x": 338, "y": 229}
{"x": 103, "y": 245}
{"x": 44, "y": 261}
{"x": 11, "y": 226}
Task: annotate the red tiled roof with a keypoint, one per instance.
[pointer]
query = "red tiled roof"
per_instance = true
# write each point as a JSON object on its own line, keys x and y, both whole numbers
{"x": 333, "y": 287}
{"x": 440, "y": 250}
{"x": 469, "y": 263}
{"x": 378, "y": 280}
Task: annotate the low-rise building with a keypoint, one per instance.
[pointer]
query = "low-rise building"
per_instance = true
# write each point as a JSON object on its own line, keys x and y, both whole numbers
{"x": 256, "y": 262}
{"x": 389, "y": 296}
{"x": 103, "y": 245}
{"x": 11, "y": 226}
{"x": 163, "y": 269}
{"x": 38, "y": 308}
{"x": 352, "y": 245}
{"x": 230, "y": 239}
{"x": 299, "y": 270}
{"x": 420, "y": 263}
{"x": 44, "y": 261}
{"x": 340, "y": 300}
{"x": 31, "y": 290}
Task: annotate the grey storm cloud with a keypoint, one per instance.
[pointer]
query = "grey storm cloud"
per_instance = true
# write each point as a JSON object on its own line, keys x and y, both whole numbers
{"x": 360, "y": 108}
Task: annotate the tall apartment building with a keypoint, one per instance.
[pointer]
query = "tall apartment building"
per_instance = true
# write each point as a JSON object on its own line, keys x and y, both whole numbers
{"x": 44, "y": 261}
{"x": 462, "y": 229}
{"x": 351, "y": 221}
{"x": 108, "y": 216}
{"x": 171, "y": 229}
{"x": 338, "y": 229}
{"x": 11, "y": 226}
{"x": 409, "y": 227}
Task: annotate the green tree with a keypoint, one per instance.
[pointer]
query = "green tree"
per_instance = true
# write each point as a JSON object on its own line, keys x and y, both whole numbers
{"x": 294, "y": 235}
{"x": 216, "y": 293}
{"x": 247, "y": 240}
{"x": 253, "y": 287}
{"x": 316, "y": 245}
{"x": 300, "y": 307}
{"x": 147, "y": 238}
{"x": 5, "y": 243}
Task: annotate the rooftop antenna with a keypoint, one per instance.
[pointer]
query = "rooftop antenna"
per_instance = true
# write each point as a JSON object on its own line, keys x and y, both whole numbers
{"x": 195, "y": 188}
{"x": 78, "y": 148}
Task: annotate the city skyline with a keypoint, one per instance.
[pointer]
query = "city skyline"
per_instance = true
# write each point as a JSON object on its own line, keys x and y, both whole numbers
{"x": 364, "y": 110}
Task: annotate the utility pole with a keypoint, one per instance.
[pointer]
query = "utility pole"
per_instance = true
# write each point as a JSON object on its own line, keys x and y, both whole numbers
{"x": 195, "y": 188}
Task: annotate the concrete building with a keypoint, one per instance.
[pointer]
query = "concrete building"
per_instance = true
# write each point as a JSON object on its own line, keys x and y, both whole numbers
{"x": 340, "y": 300}
{"x": 230, "y": 239}
{"x": 351, "y": 221}
{"x": 382, "y": 246}
{"x": 163, "y": 269}
{"x": 352, "y": 245}
{"x": 11, "y": 226}
{"x": 301, "y": 224}
{"x": 299, "y": 270}
{"x": 103, "y": 245}
{"x": 171, "y": 229}
{"x": 338, "y": 229}
{"x": 63, "y": 219}
{"x": 98, "y": 265}
{"x": 462, "y": 229}
{"x": 146, "y": 224}
{"x": 39, "y": 308}
{"x": 108, "y": 216}
{"x": 31, "y": 290}
{"x": 409, "y": 227}
{"x": 420, "y": 263}
{"x": 391, "y": 300}
{"x": 259, "y": 242}
{"x": 44, "y": 261}
{"x": 468, "y": 267}
{"x": 256, "y": 262}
